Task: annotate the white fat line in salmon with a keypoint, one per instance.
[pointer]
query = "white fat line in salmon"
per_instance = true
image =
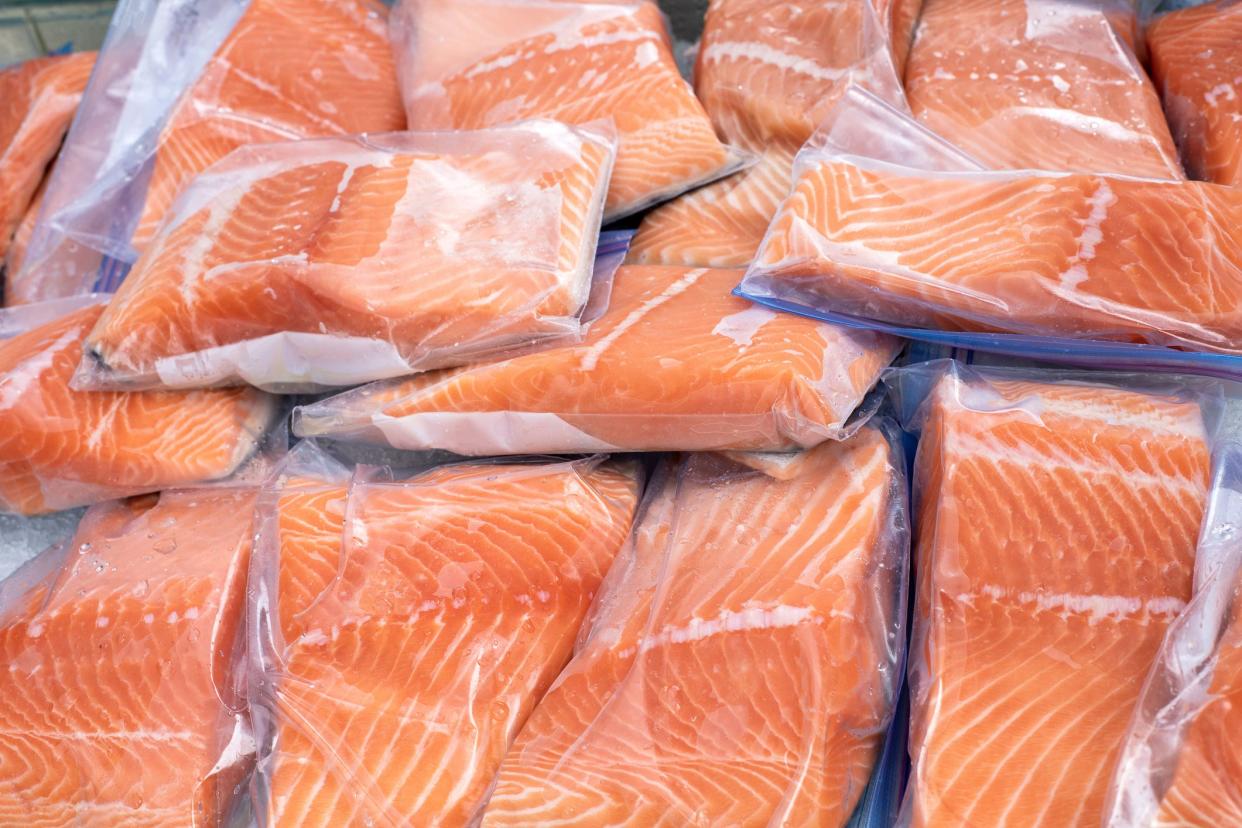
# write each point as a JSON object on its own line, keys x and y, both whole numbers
{"x": 743, "y": 50}
{"x": 1098, "y": 607}
{"x": 592, "y": 354}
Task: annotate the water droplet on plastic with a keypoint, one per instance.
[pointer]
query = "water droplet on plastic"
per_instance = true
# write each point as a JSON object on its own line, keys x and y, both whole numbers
{"x": 100, "y": 566}
{"x": 166, "y": 546}
{"x": 84, "y": 548}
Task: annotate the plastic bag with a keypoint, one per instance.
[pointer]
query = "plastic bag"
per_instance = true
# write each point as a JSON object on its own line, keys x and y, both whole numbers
{"x": 676, "y": 363}
{"x": 180, "y": 84}
{"x": 1058, "y": 517}
{"x": 61, "y": 448}
{"x": 391, "y": 254}
{"x": 467, "y": 64}
{"x": 403, "y": 629}
{"x": 740, "y": 665}
{"x": 1196, "y": 60}
{"x": 119, "y": 701}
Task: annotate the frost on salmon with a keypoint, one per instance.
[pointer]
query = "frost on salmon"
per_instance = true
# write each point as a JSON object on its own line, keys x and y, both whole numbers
{"x": 676, "y": 363}
{"x": 1056, "y": 527}
{"x": 409, "y": 626}
{"x": 336, "y": 261}
{"x": 118, "y": 697}
{"x": 1196, "y": 58}
{"x": 1040, "y": 84}
{"x": 61, "y": 448}
{"x": 741, "y": 663}
{"x": 467, "y": 64}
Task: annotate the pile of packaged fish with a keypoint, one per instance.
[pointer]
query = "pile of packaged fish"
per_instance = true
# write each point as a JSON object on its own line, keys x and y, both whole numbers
{"x": 423, "y": 492}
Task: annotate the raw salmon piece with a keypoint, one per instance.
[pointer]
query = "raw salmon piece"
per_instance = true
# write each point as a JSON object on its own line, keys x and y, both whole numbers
{"x": 16, "y": 255}
{"x": 1056, "y": 538}
{"x": 380, "y": 255}
{"x": 420, "y": 621}
{"x": 39, "y": 98}
{"x": 1040, "y": 84}
{"x": 740, "y": 666}
{"x": 289, "y": 69}
{"x": 118, "y": 696}
{"x": 676, "y": 363}
{"x": 61, "y": 448}
{"x": 1196, "y": 61}
{"x": 467, "y": 64}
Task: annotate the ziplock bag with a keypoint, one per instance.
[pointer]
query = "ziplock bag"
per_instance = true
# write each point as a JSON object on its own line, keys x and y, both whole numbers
{"x": 180, "y": 84}
{"x": 767, "y": 73}
{"x": 403, "y": 628}
{"x": 1057, "y": 517}
{"x": 61, "y": 448}
{"x": 120, "y": 699}
{"x": 676, "y": 363}
{"x": 1196, "y": 61}
{"x": 1181, "y": 760}
{"x": 334, "y": 261}
{"x": 740, "y": 665}
{"x": 467, "y": 64}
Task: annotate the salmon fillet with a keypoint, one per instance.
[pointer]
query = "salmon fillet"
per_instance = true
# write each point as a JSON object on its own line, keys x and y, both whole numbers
{"x": 118, "y": 696}
{"x": 467, "y": 64}
{"x": 1196, "y": 60}
{"x": 419, "y": 622}
{"x": 40, "y": 97}
{"x": 393, "y": 254}
{"x": 16, "y": 255}
{"x": 1040, "y": 84}
{"x": 676, "y": 363}
{"x": 739, "y": 667}
{"x": 289, "y": 69}
{"x": 61, "y": 448}
{"x": 1056, "y": 539}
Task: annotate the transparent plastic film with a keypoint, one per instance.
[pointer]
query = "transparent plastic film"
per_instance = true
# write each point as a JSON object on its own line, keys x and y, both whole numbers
{"x": 404, "y": 627}
{"x": 391, "y": 254}
{"x": 676, "y": 363}
{"x": 738, "y": 595}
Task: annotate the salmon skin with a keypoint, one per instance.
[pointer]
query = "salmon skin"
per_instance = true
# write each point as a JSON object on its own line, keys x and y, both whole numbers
{"x": 1040, "y": 84}
{"x": 390, "y": 254}
{"x": 119, "y": 702}
{"x": 767, "y": 73}
{"x": 61, "y": 448}
{"x": 468, "y": 64}
{"x": 1056, "y": 522}
{"x": 740, "y": 665}
{"x": 412, "y": 624}
{"x": 1196, "y": 59}
{"x": 675, "y": 363}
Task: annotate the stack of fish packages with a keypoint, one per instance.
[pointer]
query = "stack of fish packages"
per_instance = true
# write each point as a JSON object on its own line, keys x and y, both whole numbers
{"x": 414, "y": 498}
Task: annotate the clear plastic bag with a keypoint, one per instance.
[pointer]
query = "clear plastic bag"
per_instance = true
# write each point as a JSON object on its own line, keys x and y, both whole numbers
{"x": 676, "y": 363}
{"x": 468, "y": 64}
{"x": 120, "y": 702}
{"x": 740, "y": 665}
{"x": 1058, "y": 518}
{"x": 61, "y": 448}
{"x": 392, "y": 254}
{"x": 404, "y": 627}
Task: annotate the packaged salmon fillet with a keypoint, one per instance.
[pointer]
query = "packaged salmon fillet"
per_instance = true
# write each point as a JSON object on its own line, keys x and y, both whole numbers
{"x": 61, "y": 448}
{"x": 469, "y": 64}
{"x": 334, "y": 261}
{"x": 180, "y": 84}
{"x": 120, "y": 701}
{"x": 767, "y": 73}
{"x": 20, "y": 243}
{"x": 740, "y": 665}
{"x": 1057, "y": 517}
{"x": 406, "y": 626}
{"x": 676, "y": 363}
{"x": 1196, "y": 61}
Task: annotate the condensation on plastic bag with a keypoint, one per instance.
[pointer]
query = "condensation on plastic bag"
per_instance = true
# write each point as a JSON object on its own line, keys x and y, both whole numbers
{"x": 61, "y": 448}
{"x": 740, "y": 665}
{"x": 467, "y": 64}
{"x": 391, "y": 254}
{"x": 1058, "y": 517}
{"x": 121, "y": 644}
{"x": 676, "y": 363}
{"x": 403, "y": 628}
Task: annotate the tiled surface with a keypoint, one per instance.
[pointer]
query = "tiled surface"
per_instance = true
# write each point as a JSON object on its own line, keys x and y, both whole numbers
{"x": 31, "y": 29}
